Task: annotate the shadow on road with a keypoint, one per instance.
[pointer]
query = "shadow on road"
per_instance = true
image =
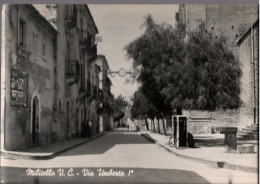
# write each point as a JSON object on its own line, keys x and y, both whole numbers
{"x": 105, "y": 143}
{"x": 99, "y": 175}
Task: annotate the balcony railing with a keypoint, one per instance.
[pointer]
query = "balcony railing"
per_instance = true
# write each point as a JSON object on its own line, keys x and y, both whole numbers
{"x": 93, "y": 53}
{"x": 72, "y": 69}
{"x": 85, "y": 41}
{"x": 71, "y": 19}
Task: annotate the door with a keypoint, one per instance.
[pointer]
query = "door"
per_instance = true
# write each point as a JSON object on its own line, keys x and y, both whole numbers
{"x": 77, "y": 123}
{"x": 35, "y": 122}
{"x": 67, "y": 120}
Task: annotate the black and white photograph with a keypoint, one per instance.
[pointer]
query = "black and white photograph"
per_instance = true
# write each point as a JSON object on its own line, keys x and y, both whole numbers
{"x": 129, "y": 93}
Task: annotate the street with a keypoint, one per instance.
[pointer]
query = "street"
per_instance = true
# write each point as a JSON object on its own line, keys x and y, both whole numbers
{"x": 118, "y": 157}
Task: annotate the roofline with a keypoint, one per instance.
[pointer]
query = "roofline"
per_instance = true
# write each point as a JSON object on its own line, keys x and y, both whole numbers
{"x": 43, "y": 19}
{"x": 247, "y": 32}
{"x": 103, "y": 56}
{"x": 91, "y": 18}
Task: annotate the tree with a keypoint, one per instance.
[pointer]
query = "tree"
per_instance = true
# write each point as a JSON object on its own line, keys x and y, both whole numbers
{"x": 179, "y": 69}
{"x": 122, "y": 105}
{"x": 121, "y": 102}
{"x": 141, "y": 108}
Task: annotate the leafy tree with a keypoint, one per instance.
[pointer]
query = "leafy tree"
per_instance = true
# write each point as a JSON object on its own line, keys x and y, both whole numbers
{"x": 179, "y": 69}
{"x": 121, "y": 102}
{"x": 141, "y": 108}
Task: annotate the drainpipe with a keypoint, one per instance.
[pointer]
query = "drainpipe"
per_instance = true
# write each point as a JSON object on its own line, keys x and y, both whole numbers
{"x": 253, "y": 62}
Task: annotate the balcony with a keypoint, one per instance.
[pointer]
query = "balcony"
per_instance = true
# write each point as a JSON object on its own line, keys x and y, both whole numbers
{"x": 72, "y": 71}
{"x": 71, "y": 18}
{"x": 84, "y": 41}
{"x": 93, "y": 53}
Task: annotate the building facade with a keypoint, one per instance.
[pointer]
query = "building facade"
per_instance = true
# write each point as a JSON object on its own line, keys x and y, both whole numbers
{"x": 28, "y": 81}
{"x": 50, "y": 81}
{"x": 249, "y": 57}
{"x": 106, "y": 107}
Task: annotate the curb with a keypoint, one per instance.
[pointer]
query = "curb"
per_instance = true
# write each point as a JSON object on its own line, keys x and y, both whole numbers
{"x": 219, "y": 164}
{"x": 50, "y": 156}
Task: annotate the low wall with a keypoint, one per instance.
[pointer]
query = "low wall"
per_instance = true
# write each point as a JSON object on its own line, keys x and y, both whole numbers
{"x": 199, "y": 126}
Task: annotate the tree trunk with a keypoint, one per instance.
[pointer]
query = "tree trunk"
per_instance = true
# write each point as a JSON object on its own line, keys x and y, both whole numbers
{"x": 153, "y": 125}
{"x": 164, "y": 129}
{"x": 158, "y": 125}
{"x": 146, "y": 123}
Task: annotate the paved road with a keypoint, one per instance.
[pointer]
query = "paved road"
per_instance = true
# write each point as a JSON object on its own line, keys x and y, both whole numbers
{"x": 119, "y": 157}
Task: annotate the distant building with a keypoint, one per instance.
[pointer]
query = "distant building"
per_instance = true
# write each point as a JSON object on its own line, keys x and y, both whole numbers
{"x": 106, "y": 107}
{"x": 230, "y": 20}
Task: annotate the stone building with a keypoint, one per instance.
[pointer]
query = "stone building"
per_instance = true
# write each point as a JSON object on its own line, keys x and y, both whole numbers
{"x": 231, "y": 22}
{"x": 28, "y": 81}
{"x": 49, "y": 77}
{"x": 77, "y": 52}
{"x": 249, "y": 59}
{"x": 106, "y": 119}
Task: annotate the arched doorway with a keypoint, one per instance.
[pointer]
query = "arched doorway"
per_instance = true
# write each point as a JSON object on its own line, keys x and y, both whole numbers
{"x": 67, "y": 120}
{"x": 82, "y": 119}
{"x": 35, "y": 125}
{"x": 77, "y": 123}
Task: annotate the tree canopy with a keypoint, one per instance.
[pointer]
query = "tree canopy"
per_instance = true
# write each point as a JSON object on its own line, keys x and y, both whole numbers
{"x": 185, "y": 70}
{"x": 121, "y": 102}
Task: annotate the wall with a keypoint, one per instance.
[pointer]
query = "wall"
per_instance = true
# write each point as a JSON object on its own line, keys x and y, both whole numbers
{"x": 231, "y": 21}
{"x": 17, "y": 118}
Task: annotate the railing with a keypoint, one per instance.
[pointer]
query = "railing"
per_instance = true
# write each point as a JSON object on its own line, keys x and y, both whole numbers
{"x": 71, "y": 19}
{"x": 93, "y": 54}
{"x": 85, "y": 40}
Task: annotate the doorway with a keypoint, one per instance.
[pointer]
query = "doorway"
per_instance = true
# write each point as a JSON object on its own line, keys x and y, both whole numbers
{"x": 35, "y": 127}
{"x": 77, "y": 123}
{"x": 67, "y": 120}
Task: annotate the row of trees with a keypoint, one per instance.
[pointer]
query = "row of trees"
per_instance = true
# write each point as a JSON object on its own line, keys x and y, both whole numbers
{"x": 179, "y": 70}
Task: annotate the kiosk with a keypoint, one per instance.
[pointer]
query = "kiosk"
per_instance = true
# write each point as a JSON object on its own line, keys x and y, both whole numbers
{"x": 179, "y": 128}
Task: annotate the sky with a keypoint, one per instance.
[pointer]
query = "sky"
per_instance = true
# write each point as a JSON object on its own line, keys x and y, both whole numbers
{"x": 119, "y": 25}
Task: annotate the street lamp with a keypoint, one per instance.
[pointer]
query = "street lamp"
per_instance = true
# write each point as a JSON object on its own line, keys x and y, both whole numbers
{"x": 121, "y": 72}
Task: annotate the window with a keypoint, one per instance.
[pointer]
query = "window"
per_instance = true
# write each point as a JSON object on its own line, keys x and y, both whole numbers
{"x": 43, "y": 49}
{"x": 22, "y": 33}
{"x": 60, "y": 107}
{"x": 68, "y": 51}
{"x": 81, "y": 24}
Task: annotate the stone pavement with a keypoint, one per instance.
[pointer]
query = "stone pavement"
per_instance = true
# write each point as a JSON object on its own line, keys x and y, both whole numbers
{"x": 49, "y": 151}
{"x": 210, "y": 149}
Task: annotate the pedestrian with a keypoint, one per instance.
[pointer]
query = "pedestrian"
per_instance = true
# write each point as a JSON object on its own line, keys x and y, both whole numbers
{"x": 90, "y": 127}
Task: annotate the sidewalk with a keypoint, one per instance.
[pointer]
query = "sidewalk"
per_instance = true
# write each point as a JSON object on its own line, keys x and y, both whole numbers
{"x": 49, "y": 151}
{"x": 210, "y": 149}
